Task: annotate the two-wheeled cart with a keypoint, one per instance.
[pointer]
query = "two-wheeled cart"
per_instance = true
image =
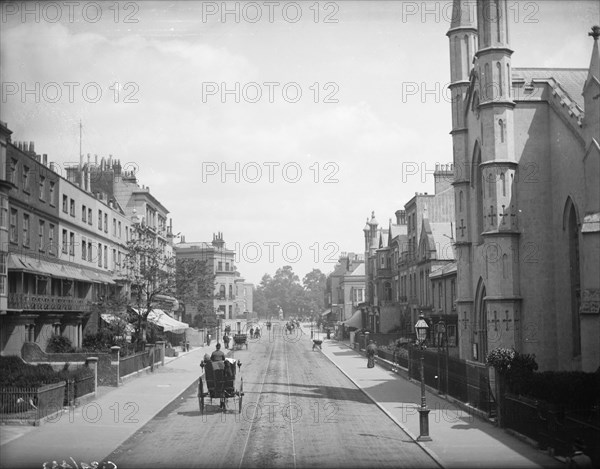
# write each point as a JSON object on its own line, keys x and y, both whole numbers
{"x": 220, "y": 377}
{"x": 239, "y": 340}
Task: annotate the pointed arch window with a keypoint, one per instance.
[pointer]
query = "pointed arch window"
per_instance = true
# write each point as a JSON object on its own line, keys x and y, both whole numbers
{"x": 465, "y": 58}
{"x": 572, "y": 228}
{"x": 479, "y": 338}
{"x": 460, "y": 201}
{"x": 503, "y": 180}
{"x": 499, "y": 19}
{"x": 501, "y": 125}
{"x": 499, "y": 77}
{"x": 487, "y": 79}
{"x": 479, "y": 185}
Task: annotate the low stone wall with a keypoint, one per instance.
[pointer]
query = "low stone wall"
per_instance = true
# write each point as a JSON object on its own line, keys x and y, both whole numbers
{"x": 107, "y": 371}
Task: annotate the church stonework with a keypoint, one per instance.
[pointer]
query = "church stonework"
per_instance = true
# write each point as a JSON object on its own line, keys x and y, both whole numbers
{"x": 526, "y": 157}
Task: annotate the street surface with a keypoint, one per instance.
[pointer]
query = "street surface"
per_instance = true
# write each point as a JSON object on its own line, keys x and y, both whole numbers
{"x": 298, "y": 410}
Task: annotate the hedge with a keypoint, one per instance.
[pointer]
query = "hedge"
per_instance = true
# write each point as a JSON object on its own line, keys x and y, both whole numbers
{"x": 15, "y": 372}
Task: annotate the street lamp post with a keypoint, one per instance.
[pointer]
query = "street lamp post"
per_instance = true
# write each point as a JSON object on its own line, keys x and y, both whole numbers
{"x": 421, "y": 330}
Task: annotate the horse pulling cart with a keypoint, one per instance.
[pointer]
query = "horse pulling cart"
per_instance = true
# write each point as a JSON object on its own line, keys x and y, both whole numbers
{"x": 220, "y": 380}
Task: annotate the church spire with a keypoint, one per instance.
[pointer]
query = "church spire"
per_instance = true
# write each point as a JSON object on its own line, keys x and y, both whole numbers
{"x": 594, "y": 71}
{"x": 591, "y": 94}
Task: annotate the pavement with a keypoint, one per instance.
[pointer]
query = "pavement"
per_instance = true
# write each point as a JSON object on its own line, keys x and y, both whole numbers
{"x": 93, "y": 431}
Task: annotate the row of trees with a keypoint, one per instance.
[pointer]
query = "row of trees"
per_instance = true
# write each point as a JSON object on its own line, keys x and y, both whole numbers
{"x": 284, "y": 290}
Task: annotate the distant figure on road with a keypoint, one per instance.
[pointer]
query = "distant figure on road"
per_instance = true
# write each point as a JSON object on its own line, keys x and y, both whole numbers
{"x": 226, "y": 340}
{"x": 218, "y": 354}
{"x": 579, "y": 460}
{"x": 396, "y": 356}
{"x": 257, "y": 332}
{"x": 371, "y": 351}
{"x": 251, "y": 332}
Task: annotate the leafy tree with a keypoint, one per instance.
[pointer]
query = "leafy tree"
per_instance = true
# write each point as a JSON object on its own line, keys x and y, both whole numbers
{"x": 195, "y": 283}
{"x": 284, "y": 291}
{"x": 314, "y": 290}
{"x": 151, "y": 272}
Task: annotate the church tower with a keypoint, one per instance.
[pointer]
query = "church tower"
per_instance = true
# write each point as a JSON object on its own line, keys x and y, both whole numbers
{"x": 463, "y": 44}
{"x": 495, "y": 170}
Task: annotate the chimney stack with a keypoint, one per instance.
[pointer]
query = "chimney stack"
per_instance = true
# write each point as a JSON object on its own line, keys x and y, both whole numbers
{"x": 400, "y": 217}
{"x": 45, "y": 160}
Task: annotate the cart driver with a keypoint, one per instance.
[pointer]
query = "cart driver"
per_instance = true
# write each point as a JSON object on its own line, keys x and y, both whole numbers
{"x": 218, "y": 354}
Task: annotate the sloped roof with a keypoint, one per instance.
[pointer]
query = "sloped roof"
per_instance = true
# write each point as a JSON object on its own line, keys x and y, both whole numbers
{"x": 444, "y": 270}
{"x": 571, "y": 80}
{"x": 383, "y": 238}
{"x": 443, "y": 241}
{"x": 397, "y": 230}
{"x": 358, "y": 271}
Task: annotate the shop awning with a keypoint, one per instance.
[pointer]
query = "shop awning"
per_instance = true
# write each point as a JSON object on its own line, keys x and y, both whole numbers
{"x": 98, "y": 277}
{"x": 162, "y": 319}
{"x": 355, "y": 320}
{"x": 326, "y": 312}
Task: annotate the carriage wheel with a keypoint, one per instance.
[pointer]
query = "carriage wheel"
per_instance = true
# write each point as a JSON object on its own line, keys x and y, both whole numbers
{"x": 201, "y": 396}
{"x": 241, "y": 393}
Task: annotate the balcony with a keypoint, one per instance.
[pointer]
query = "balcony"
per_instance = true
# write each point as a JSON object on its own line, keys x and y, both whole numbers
{"x": 47, "y": 303}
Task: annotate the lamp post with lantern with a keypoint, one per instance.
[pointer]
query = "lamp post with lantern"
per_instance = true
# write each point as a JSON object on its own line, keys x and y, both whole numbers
{"x": 421, "y": 330}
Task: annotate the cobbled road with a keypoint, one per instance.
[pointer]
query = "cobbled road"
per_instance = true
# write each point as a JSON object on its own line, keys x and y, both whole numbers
{"x": 298, "y": 410}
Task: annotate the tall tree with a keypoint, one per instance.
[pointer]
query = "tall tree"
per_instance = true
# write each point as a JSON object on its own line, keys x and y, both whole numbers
{"x": 314, "y": 288}
{"x": 150, "y": 271}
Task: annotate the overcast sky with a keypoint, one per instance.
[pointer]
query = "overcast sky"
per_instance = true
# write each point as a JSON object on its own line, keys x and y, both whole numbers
{"x": 339, "y": 104}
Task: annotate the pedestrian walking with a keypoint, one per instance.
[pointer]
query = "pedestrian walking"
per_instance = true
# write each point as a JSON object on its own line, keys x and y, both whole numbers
{"x": 371, "y": 351}
{"x": 226, "y": 340}
{"x": 396, "y": 356}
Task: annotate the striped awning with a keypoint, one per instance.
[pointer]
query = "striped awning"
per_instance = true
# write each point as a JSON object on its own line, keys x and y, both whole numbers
{"x": 162, "y": 319}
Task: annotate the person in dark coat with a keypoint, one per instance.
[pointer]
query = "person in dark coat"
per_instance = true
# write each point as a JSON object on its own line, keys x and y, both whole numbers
{"x": 371, "y": 352}
{"x": 218, "y": 354}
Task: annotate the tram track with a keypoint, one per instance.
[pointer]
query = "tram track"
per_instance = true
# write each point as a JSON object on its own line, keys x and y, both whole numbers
{"x": 267, "y": 397}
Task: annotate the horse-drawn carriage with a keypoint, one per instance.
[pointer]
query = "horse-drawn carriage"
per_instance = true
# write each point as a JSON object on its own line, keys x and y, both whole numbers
{"x": 239, "y": 340}
{"x": 220, "y": 377}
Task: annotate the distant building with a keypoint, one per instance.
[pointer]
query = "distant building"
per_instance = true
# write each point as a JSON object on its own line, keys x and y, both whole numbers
{"x": 399, "y": 257}
{"x": 232, "y": 296}
{"x": 345, "y": 287}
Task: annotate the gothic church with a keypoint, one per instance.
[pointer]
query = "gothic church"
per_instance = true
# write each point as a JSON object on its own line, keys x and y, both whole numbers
{"x": 527, "y": 196}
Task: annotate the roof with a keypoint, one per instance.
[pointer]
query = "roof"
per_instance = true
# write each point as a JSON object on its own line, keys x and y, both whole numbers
{"x": 571, "y": 80}
{"x": 447, "y": 269}
{"x": 359, "y": 271}
{"x": 443, "y": 240}
{"x": 397, "y": 230}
